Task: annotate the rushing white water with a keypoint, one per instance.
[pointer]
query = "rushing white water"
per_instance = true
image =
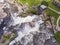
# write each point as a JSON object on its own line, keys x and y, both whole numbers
{"x": 27, "y": 28}
{"x": 1, "y": 0}
{"x": 19, "y": 20}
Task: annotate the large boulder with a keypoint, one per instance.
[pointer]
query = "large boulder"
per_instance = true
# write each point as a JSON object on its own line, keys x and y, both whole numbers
{"x": 2, "y": 14}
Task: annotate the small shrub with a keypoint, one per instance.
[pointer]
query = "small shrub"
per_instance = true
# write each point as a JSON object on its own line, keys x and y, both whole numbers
{"x": 6, "y": 38}
{"x": 44, "y": 3}
{"x": 32, "y": 10}
{"x": 57, "y": 36}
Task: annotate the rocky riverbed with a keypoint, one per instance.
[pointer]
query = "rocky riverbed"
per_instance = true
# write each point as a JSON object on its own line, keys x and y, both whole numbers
{"x": 29, "y": 30}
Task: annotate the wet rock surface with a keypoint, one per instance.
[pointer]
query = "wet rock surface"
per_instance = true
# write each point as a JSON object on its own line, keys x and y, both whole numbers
{"x": 51, "y": 42}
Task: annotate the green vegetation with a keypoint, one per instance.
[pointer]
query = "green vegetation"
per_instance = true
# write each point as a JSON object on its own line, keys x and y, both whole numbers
{"x": 53, "y": 6}
{"x": 23, "y": 15}
{"x": 51, "y": 13}
{"x": 35, "y": 2}
{"x": 32, "y": 11}
{"x": 5, "y": 38}
{"x": 59, "y": 0}
{"x": 31, "y": 2}
{"x": 57, "y": 36}
{"x": 44, "y": 3}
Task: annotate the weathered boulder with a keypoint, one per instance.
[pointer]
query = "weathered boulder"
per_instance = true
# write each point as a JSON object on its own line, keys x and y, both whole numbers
{"x": 2, "y": 14}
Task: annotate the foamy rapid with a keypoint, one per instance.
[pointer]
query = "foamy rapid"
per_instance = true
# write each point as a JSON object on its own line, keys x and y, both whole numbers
{"x": 27, "y": 29}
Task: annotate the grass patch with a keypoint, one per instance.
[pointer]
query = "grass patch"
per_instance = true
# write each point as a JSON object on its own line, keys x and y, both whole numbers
{"x": 6, "y": 38}
{"x": 50, "y": 3}
{"x": 51, "y": 13}
{"x": 32, "y": 11}
{"x": 31, "y": 2}
{"x": 36, "y": 2}
{"x": 57, "y": 36}
{"x": 44, "y": 3}
{"x": 59, "y": 0}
